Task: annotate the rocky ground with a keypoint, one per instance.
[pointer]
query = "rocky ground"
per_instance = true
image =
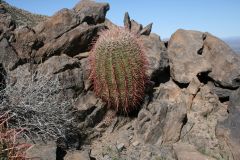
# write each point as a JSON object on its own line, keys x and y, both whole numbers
{"x": 191, "y": 110}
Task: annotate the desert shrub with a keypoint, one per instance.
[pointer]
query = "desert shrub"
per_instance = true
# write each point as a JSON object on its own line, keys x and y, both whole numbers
{"x": 38, "y": 105}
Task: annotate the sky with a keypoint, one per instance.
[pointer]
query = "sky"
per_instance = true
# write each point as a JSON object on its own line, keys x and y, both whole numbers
{"x": 219, "y": 17}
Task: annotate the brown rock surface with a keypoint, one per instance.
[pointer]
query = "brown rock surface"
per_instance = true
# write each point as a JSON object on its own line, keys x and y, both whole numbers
{"x": 225, "y": 62}
{"x": 77, "y": 155}
{"x": 204, "y": 113}
{"x": 189, "y": 152}
{"x": 192, "y": 53}
{"x": 157, "y": 57}
{"x": 228, "y": 130}
{"x": 187, "y": 112}
{"x": 91, "y": 12}
{"x": 185, "y": 62}
{"x": 161, "y": 122}
{"x": 43, "y": 151}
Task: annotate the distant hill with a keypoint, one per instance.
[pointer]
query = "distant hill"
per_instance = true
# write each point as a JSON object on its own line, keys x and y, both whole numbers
{"x": 233, "y": 42}
{"x": 20, "y": 16}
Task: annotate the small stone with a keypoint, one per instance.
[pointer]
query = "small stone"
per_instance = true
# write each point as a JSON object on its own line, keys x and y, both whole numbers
{"x": 136, "y": 143}
{"x": 120, "y": 146}
{"x": 130, "y": 138}
{"x": 43, "y": 151}
{"x": 107, "y": 157}
{"x": 194, "y": 86}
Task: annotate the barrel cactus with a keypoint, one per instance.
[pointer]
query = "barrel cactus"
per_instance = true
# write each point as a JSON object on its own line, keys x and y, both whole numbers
{"x": 118, "y": 69}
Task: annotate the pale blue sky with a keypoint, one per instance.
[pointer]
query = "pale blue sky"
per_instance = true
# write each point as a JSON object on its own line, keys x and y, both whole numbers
{"x": 219, "y": 17}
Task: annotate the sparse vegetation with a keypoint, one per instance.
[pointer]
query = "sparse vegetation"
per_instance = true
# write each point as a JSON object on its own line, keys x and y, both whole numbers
{"x": 37, "y": 106}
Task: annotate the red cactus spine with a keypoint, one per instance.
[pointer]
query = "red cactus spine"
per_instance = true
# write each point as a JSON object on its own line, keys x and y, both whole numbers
{"x": 118, "y": 69}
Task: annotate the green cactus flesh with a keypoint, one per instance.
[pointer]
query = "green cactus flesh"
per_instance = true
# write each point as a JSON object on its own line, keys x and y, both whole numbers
{"x": 118, "y": 69}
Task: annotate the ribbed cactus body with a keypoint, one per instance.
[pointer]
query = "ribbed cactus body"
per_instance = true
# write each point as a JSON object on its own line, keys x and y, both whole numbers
{"x": 118, "y": 69}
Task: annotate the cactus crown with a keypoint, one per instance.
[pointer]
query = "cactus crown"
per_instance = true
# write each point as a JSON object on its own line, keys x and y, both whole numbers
{"x": 118, "y": 69}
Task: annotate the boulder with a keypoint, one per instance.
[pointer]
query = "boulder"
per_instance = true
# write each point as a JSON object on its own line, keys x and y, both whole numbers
{"x": 27, "y": 43}
{"x": 71, "y": 43}
{"x": 91, "y": 12}
{"x": 192, "y": 53}
{"x": 60, "y": 23}
{"x": 225, "y": 62}
{"x": 185, "y": 62}
{"x": 8, "y": 56}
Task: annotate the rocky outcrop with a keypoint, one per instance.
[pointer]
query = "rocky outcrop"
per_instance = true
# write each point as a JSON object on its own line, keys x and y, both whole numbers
{"x": 202, "y": 118}
{"x": 155, "y": 50}
{"x": 135, "y": 27}
{"x": 162, "y": 120}
{"x": 191, "y": 107}
{"x": 61, "y": 34}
